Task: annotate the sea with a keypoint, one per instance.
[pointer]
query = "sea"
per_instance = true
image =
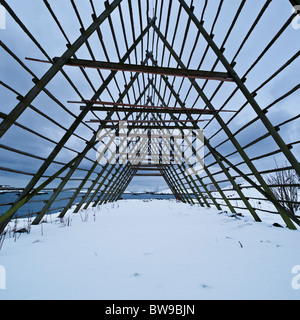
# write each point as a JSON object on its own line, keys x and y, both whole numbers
{"x": 33, "y": 207}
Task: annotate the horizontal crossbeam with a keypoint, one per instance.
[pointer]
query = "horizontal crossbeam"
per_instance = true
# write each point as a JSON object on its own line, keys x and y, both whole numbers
{"x": 115, "y": 104}
{"x": 195, "y": 74}
{"x": 145, "y": 121}
{"x": 148, "y": 175}
{"x": 148, "y": 110}
{"x": 145, "y": 169}
{"x": 150, "y": 127}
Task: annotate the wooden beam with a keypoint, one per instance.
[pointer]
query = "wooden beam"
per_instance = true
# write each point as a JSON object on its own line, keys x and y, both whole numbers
{"x": 148, "y": 175}
{"x": 145, "y": 121}
{"x": 150, "y": 167}
{"x": 195, "y": 74}
{"x": 295, "y": 3}
{"x": 147, "y": 110}
{"x": 55, "y": 68}
{"x": 115, "y": 104}
{"x": 150, "y": 127}
{"x": 145, "y": 169}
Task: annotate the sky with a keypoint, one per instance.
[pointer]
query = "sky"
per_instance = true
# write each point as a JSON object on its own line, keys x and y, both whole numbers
{"x": 37, "y": 19}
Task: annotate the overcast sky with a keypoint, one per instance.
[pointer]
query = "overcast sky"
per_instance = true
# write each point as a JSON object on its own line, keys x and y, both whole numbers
{"x": 39, "y": 22}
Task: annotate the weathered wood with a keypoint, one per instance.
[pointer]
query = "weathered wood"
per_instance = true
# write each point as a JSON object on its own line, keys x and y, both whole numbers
{"x": 186, "y": 73}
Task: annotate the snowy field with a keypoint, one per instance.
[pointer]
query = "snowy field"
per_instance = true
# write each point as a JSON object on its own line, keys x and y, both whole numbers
{"x": 155, "y": 250}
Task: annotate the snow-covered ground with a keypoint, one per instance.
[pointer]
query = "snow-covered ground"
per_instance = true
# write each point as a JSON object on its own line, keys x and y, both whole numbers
{"x": 254, "y": 197}
{"x": 154, "y": 250}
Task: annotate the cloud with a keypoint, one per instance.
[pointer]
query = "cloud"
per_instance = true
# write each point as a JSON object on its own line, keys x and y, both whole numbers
{"x": 39, "y": 22}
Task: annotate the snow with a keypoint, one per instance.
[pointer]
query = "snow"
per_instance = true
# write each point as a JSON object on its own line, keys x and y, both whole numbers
{"x": 164, "y": 191}
{"x": 256, "y": 199}
{"x": 151, "y": 250}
